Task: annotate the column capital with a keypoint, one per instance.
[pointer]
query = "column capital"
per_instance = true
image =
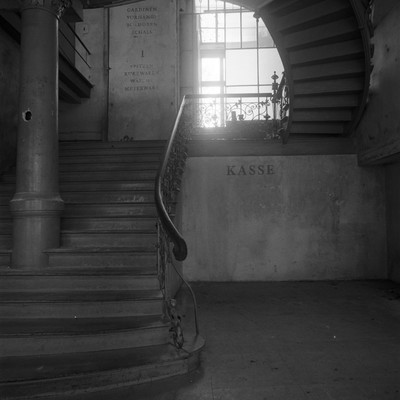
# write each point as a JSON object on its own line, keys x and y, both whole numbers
{"x": 56, "y": 7}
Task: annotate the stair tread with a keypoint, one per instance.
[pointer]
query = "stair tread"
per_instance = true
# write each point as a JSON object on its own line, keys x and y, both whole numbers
{"x": 75, "y": 326}
{"x": 80, "y": 296}
{"x": 15, "y": 369}
{"x": 314, "y": 14}
{"x": 140, "y": 181}
{"x": 120, "y": 158}
{"x": 132, "y": 249}
{"x": 109, "y": 167}
{"x": 327, "y": 52}
{"x": 86, "y": 271}
{"x": 105, "y": 203}
{"x": 333, "y": 31}
{"x": 76, "y": 271}
{"x": 109, "y": 231}
{"x": 112, "y": 145}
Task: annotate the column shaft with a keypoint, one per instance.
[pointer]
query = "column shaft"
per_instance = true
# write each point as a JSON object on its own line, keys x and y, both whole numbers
{"x": 36, "y": 206}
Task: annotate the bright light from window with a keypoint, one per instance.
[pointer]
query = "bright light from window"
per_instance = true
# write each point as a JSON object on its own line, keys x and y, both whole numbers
{"x": 237, "y": 53}
{"x": 269, "y": 62}
{"x": 211, "y": 69}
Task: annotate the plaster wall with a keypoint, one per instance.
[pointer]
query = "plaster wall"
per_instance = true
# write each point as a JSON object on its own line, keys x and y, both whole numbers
{"x": 393, "y": 220}
{"x": 283, "y": 218}
{"x": 9, "y": 86}
{"x": 379, "y": 131}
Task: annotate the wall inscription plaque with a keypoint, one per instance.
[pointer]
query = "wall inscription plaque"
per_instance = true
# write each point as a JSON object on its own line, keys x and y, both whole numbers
{"x": 142, "y": 70}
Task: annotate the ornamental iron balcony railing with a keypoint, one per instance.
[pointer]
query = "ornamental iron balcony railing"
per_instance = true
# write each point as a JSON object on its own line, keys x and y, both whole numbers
{"x": 265, "y": 114}
{"x": 218, "y": 111}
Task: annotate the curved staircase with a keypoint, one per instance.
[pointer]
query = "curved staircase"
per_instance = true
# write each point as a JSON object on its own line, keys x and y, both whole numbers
{"x": 326, "y": 52}
{"x": 93, "y": 319}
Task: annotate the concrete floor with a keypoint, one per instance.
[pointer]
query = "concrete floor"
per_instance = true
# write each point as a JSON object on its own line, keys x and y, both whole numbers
{"x": 291, "y": 341}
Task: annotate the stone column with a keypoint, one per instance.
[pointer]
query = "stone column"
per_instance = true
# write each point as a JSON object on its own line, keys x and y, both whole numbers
{"x": 36, "y": 205}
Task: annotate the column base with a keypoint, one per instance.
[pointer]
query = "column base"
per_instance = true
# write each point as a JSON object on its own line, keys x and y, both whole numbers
{"x": 36, "y": 228}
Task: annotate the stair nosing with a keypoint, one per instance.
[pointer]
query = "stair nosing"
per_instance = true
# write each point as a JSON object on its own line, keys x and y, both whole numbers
{"x": 109, "y": 326}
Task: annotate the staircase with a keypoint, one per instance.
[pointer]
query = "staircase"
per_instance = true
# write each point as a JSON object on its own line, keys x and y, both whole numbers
{"x": 73, "y": 86}
{"x": 326, "y": 52}
{"x": 93, "y": 319}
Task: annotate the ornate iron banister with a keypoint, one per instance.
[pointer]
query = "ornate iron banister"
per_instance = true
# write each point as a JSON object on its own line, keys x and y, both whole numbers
{"x": 363, "y": 13}
{"x": 167, "y": 187}
{"x": 281, "y": 97}
{"x": 168, "y": 182}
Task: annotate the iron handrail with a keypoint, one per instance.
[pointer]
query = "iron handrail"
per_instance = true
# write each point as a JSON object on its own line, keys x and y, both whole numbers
{"x": 180, "y": 247}
{"x": 363, "y": 14}
{"x": 166, "y": 225}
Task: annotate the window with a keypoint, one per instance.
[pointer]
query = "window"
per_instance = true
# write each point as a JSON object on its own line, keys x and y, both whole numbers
{"x": 237, "y": 53}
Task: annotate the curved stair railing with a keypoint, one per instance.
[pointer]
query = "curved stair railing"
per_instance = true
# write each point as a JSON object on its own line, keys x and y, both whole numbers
{"x": 363, "y": 13}
{"x": 171, "y": 244}
{"x": 281, "y": 98}
{"x": 168, "y": 184}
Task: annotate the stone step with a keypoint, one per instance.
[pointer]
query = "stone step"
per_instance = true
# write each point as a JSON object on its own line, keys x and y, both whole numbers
{"x": 122, "y": 145}
{"x": 315, "y": 72}
{"x": 91, "y": 151}
{"x": 5, "y": 258}
{"x": 79, "y": 239}
{"x": 110, "y": 210}
{"x": 138, "y": 223}
{"x": 90, "y": 279}
{"x": 29, "y": 337}
{"x": 329, "y": 52}
{"x": 6, "y": 225}
{"x": 125, "y": 196}
{"x": 333, "y": 86}
{"x": 80, "y": 304}
{"x": 329, "y": 32}
{"x": 90, "y": 176}
{"x": 319, "y": 13}
{"x": 107, "y": 175}
{"x": 5, "y": 198}
{"x": 5, "y": 212}
{"x": 110, "y": 166}
{"x": 117, "y": 185}
{"x": 5, "y": 241}
{"x": 7, "y": 188}
{"x": 26, "y": 378}
{"x": 139, "y": 259}
{"x": 8, "y": 178}
{"x": 318, "y": 128}
{"x": 106, "y": 158}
